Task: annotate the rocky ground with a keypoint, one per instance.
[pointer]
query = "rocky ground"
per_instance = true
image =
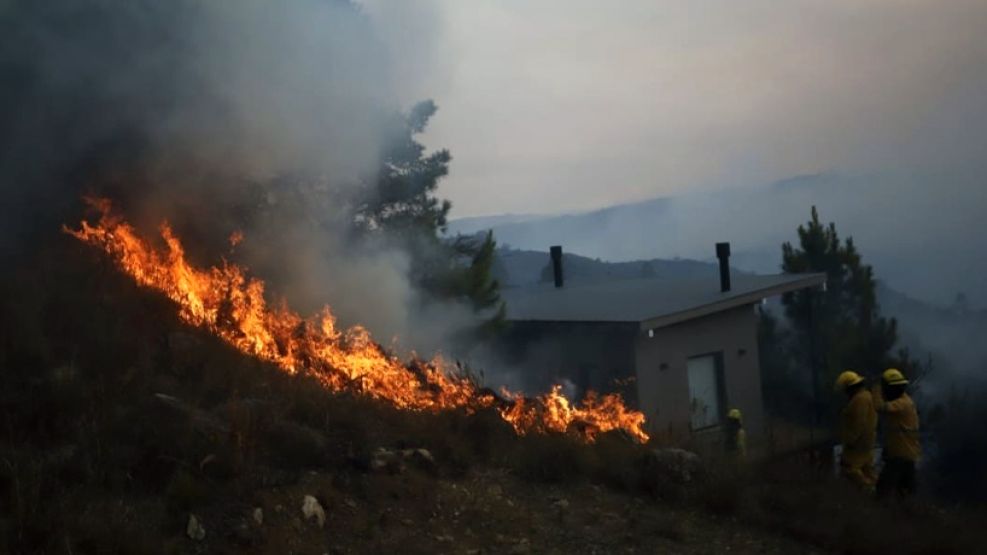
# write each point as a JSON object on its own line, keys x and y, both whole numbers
{"x": 487, "y": 512}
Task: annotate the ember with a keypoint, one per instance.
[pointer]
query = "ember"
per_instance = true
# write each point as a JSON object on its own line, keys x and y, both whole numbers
{"x": 228, "y": 303}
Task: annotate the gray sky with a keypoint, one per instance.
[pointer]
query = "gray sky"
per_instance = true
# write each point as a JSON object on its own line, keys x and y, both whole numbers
{"x": 559, "y": 105}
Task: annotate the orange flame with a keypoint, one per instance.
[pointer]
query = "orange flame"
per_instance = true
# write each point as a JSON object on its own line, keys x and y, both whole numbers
{"x": 228, "y": 303}
{"x": 236, "y": 238}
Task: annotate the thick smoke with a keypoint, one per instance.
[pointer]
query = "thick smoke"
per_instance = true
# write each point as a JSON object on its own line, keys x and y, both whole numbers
{"x": 270, "y": 116}
{"x": 661, "y": 98}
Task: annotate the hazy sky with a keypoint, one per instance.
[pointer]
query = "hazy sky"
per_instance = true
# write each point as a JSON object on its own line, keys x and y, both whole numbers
{"x": 557, "y": 105}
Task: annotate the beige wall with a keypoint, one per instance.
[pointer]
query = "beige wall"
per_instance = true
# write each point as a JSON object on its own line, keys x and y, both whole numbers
{"x": 663, "y": 394}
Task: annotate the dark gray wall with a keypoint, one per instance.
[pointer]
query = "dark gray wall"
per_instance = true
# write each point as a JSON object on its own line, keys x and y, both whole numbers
{"x": 663, "y": 394}
{"x": 591, "y": 355}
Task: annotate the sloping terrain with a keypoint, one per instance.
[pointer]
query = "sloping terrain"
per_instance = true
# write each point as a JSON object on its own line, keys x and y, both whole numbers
{"x": 120, "y": 424}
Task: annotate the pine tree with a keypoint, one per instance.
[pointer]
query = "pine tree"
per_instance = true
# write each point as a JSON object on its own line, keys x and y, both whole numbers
{"x": 402, "y": 199}
{"x": 833, "y": 329}
{"x": 402, "y": 206}
{"x": 841, "y": 326}
{"x": 463, "y": 270}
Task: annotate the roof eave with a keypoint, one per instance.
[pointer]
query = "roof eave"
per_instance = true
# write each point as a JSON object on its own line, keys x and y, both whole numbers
{"x": 752, "y": 297}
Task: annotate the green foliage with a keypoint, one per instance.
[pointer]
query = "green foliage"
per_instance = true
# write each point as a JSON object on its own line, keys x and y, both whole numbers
{"x": 834, "y": 329}
{"x": 399, "y": 208}
{"x": 845, "y": 316}
{"x": 403, "y": 198}
{"x": 474, "y": 281}
{"x": 481, "y": 288}
{"x": 463, "y": 270}
{"x": 403, "y": 207}
{"x": 785, "y": 384}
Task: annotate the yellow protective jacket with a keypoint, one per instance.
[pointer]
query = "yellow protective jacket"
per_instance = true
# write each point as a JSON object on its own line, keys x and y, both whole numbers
{"x": 901, "y": 437}
{"x": 858, "y": 429}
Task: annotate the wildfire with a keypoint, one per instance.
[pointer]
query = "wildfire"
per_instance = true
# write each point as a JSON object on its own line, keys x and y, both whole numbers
{"x": 231, "y": 305}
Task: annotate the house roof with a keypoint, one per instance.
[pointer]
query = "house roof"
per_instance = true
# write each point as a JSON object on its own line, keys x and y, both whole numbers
{"x": 651, "y": 303}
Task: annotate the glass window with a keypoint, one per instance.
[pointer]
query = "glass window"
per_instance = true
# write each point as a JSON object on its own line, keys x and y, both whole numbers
{"x": 705, "y": 390}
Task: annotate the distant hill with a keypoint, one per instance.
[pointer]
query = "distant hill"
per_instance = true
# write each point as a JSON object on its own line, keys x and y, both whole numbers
{"x": 952, "y": 336}
{"x": 469, "y": 226}
{"x": 519, "y": 268}
{"x": 914, "y": 230}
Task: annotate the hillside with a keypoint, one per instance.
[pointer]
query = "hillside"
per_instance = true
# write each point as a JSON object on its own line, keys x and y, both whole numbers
{"x": 521, "y": 267}
{"x": 949, "y": 335}
{"x": 128, "y": 431}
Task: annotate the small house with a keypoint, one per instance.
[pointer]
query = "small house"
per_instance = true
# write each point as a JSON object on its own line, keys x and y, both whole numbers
{"x": 682, "y": 351}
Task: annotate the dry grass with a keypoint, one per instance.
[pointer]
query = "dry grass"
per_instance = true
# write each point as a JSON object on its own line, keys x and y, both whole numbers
{"x": 812, "y": 507}
{"x": 84, "y": 352}
{"x": 85, "y": 355}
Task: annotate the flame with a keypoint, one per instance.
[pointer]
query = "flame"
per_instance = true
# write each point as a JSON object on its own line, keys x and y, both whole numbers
{"x": 236, "y": 238}
{"x": 230, "y": 304}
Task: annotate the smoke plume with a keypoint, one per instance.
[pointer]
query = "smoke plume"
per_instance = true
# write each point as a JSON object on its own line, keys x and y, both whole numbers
{"x": 215, "y": 115}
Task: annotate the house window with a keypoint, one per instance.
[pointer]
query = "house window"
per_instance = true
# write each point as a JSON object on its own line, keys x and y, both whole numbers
{"x": 705, "y": 390}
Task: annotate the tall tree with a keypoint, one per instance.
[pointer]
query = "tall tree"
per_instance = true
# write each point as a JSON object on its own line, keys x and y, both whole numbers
{"x": 402, "y": 205}
{"x": 839, "y": 327}
{"x": 842, "y": 323}
{"x": 402, "y": 200}
{"x": 785, "y": 381}
{"x": 466, "y": 272}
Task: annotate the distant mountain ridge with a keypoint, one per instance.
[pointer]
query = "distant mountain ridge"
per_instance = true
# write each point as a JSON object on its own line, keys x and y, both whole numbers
{"x": 518, "y": 268}
{"x": 915, "y": 230}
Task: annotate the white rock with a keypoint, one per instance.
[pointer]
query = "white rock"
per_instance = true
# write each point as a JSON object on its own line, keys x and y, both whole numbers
{"x": 312, "y": 509}
{"x": 382, "y": 458}
{"x": 194, "y": 529}
{"x": 678, "y": 464}
{"x": 259, "y": 516}
{"x": 425, "y": 454}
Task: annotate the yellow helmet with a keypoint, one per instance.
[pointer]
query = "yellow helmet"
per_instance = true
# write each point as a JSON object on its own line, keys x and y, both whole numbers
{"x": 735, "y": 414}
{"x": 893, "y": 376}
{"x": 847, "y": 379}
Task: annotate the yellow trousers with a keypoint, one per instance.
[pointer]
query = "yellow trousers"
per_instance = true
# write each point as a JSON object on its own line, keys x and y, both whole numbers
{"x": 861, "y": 475}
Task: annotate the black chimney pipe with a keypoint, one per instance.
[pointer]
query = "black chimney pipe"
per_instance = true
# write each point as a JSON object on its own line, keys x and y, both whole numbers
{"x": 723, "y": 253}
{"x": 556, "y": 253}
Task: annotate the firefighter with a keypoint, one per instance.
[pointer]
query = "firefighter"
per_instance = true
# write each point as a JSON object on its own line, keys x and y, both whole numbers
{"x": 736, "y": 437}
{"x": 902, "y": 449}
{"x": 858, "y": 430}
